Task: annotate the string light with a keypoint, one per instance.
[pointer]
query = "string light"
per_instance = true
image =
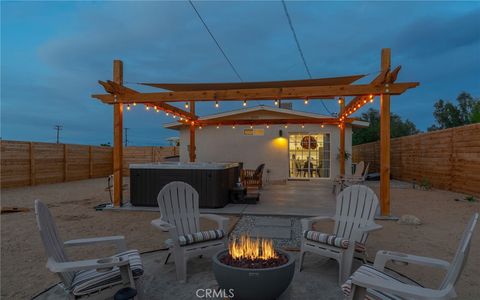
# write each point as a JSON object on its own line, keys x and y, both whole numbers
{"x": 155, "y": 107}
{"x": 166, "y": 114}
{"x": 251, "y": 126}
{"x": 134, "y": 103}
{"x": 174, "y": 116}
{"x": 216, "y": 104}
{"x": 305, "y": 101}
{"x": 371, "y": 96}
{"x": 244, "y": 102}
{"x": 303, "y": 126}
{"x": 200, "y": 127}
{"x": 157, "y": 110}
{"x": 276, "y": 102}
{"x": 128, "y": 106}
{"x": 218, "y": 126}
{"x": 181, "y": 119}
{"x": 186, "y": 105}
{"x": 371, "y": 100}
{"x": 322, "y": 126}
{"x": 358, "y": 105}
{"x": 286, "y": 126}
{"x": 233, "y": 127}
{"x": 268, "y": 126}
{"x": 147, "y": 107}
{"x": 364, "y": 101}
{"x": 339, "y": 101}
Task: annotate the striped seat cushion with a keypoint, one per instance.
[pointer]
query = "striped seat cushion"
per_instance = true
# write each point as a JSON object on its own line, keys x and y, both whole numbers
{"x": 202, "y": 236}
{"x": 373, "y": 294}
{"x": 89, "y": 281}
{"x": 324, "y": 238}
{"x": 332, "y": 240}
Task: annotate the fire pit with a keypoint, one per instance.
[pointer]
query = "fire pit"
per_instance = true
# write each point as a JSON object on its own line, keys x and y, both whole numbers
{"x": 253, "y": 269}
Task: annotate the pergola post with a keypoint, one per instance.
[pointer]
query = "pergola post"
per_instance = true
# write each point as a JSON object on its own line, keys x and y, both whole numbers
{"x": 117, "y": 138}
{"x": 192, "y": 134}
{"x": 341, "y": 101}
{"x": 385, "y": 141}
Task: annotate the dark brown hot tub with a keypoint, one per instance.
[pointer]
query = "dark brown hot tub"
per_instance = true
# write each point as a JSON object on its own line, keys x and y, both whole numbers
{"x": 211, "y": 180}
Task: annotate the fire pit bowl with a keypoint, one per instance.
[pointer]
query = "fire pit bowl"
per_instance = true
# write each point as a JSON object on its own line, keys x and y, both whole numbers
{"x": 250, "y": 283}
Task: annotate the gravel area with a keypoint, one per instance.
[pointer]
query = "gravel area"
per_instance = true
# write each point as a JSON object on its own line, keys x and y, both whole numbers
{"x": 248, "y": 225}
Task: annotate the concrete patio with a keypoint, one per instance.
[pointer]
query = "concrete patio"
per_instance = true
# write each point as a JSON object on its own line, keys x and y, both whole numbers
{"x": 295, "y": 198}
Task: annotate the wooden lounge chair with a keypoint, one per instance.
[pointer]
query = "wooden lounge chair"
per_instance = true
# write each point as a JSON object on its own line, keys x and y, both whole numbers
{"x": 180, "y": 216}
{"x": 92, "y": 278}
{"x": 348, "y": 181}
{"x": 358, "y": 177}
{"x": 354, "y": 220}
{"x": 372, "y": 281}
{"x": 253, "y": 178}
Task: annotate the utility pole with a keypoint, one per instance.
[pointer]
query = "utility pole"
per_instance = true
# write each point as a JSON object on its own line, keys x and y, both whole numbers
{"x": 126, "y": 136}
{"x": 58, "y": 128}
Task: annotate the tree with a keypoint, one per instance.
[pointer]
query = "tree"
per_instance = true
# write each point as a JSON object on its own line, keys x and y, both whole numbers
{"x": 398, "y": 128}
{"x": 447, "y": 115}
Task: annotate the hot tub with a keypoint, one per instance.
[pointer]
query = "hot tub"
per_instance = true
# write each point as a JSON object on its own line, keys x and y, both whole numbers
{"x": 211, "y": 180}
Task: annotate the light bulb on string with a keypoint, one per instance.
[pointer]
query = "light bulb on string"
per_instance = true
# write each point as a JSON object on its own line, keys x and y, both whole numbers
{"x": 305, "y": 101}
{"x": 128, "y": 106}
{"x": 244, "y": 102}
{"x": 186, "y": 105}
{"x": 276, "y": 102}
{"x": 216, "y": 104}
{"x": 134, "y": 103}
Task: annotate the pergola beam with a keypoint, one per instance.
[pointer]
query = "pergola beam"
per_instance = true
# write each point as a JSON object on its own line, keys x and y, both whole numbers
{"x": 291, "y": 93}
{"x": 325, "y": 121}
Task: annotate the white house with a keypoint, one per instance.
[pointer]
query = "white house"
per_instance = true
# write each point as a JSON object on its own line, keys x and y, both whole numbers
{"x": 292, "y": 151}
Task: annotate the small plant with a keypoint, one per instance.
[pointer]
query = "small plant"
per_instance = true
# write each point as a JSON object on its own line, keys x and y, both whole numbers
{"x": 346, "y": 155}
{"x": 470, "y": 198}
{"x": 425, "y": 184}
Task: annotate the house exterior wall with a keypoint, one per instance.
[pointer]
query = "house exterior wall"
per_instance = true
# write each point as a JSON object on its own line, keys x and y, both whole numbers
{"x": 231, "y": 145}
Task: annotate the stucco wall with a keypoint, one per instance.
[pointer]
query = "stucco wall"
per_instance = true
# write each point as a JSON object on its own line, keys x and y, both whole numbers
{"x": 231, "y": 145}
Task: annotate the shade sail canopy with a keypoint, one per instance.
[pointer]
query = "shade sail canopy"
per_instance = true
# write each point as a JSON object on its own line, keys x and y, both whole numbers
{"x": 183, "y": 87}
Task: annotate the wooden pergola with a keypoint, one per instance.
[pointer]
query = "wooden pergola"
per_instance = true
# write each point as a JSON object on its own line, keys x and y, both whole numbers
{"x": 383, "y": 85}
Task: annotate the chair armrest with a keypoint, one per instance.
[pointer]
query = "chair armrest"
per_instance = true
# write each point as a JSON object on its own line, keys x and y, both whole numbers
{"x": 162, "y": 225}
{"x": 221, "y": 221}
{"x": 307, "y": 222}
{"x": 401, "y": 289}
{"x": 88, "y": 264}
{"x": 383, "y": 257}
{"x": 118, "y": 240}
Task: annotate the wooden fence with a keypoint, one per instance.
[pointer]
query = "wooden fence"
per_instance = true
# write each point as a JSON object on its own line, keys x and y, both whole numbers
{"x": 449, "y": 159}
{"x": 31, "y": 163}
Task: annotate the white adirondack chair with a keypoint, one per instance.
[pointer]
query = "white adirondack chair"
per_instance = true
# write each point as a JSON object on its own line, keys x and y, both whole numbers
{"x": 373, "y": 281}
{"x": 92, "y": 278}
{"x": 354, "y": 220}
{"x": 180, "y": 216}
{"x": 338, "y": 183}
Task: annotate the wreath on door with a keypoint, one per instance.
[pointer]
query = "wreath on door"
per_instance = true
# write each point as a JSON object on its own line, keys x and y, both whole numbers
{"x": 309, "y": 142}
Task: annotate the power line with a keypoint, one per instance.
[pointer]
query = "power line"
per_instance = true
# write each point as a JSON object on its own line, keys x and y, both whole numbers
{"x": 126, "y": 136}
{"x": 215, "y": 40}
{"x": 58, "y": 128}
{"x": 290, "y": 23}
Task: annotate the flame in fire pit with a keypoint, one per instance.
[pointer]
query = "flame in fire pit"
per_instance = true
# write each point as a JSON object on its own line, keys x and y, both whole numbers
{"x": 247, "y": 248}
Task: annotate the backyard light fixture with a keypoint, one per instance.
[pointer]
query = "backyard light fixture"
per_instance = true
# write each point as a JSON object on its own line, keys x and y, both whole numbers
{"x": 305, "y": 101}
{"x": 244, "y": 102}
{"x": 200, "y": 127}
{"x": 134, "y": 103}
{"x": 286, "y": 126}
{"x": 218, "y": 126}
{"x": 147, "y": 107}
{"x": 166, "y": 114}
{"x": 303, "y": 126}
{"x": 276, "y": 102}
{"x": 233, "y": 127}
{"x": 186, "y": 105}
{"x": 371, "y": 100}
{"x": 268, "y": 126}
{"x": 216, "y": 104}
{"x": 322, "y": 125}
{"x": 251, "y": 126}
{"x": 128, "y": 106}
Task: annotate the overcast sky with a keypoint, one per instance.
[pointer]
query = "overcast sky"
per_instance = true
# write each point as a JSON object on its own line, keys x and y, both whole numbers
{"x": 53, "y": 53}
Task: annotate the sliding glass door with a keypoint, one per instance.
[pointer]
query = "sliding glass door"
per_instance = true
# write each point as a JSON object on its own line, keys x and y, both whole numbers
{"x": 309, "y": 155}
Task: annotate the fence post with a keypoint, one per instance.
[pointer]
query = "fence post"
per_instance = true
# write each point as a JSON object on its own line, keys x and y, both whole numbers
{"x": 90, "y": 162}
{"x": 65, "y": 162}
{"x": 32, "y": 164}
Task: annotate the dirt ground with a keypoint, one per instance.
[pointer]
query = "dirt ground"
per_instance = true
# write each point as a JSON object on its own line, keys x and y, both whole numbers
{"x": 23, "y": 272}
